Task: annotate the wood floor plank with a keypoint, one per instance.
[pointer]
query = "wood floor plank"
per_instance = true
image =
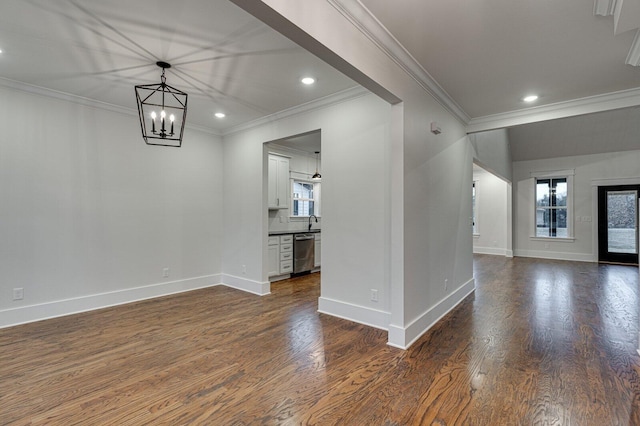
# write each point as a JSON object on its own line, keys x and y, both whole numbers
{"x": 539, "y": 342}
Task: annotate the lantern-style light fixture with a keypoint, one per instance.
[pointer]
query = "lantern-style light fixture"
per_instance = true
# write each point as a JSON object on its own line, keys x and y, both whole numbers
{"x": 317, "y": 176}
{"x": 162, "y": 110}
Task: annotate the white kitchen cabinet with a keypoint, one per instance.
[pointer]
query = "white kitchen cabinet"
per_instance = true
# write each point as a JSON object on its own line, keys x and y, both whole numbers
{"x": 274, "y": 256}
{"x": 316, "y": 263}
{"x": 286, "y": 254}
{"x": 278, "y": 182}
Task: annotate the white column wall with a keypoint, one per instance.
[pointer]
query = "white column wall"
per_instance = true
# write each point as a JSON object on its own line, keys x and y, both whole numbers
{"x": 90, "y": 215}
{"x": 355, "y": 205}
{"x": 431, "y": 238}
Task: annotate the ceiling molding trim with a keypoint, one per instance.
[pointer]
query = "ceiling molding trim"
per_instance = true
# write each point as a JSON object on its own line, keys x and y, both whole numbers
{"x": 633, "y": 58}
{"x": 372, "y": 28}
{"x": 327, "y": 101}
{"x": 604, "y": 7}
{"x": 588, "y": 105}
{"x": 80, "y": 100}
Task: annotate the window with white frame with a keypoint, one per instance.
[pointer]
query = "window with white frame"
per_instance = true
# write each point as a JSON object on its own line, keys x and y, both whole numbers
{"x": 553, "y": 206}
{"x": 305, "y": 198}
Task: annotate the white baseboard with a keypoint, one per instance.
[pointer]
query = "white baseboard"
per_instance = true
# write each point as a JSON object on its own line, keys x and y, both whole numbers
{"x": 360, "y": 314}
{"x": 556, "y": 255}
{"x": 58, "y": 308}
{"x": 403, "y": 337}
{"x": 244, "y": 284}
{"x": 490, "y": 250}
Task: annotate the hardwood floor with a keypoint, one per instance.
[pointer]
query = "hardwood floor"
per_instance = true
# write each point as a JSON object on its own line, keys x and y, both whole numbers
{"x": 539, "y": 343}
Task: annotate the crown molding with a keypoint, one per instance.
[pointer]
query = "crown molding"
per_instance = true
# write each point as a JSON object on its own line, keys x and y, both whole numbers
{"x": 372, "y": 28}
{"x": 343, "y": 96}
{"x": 633, "y": 58}
{"x": 587, "y": 105}
{"x": 80, "y": 100}
{"x": 604, "y": 7}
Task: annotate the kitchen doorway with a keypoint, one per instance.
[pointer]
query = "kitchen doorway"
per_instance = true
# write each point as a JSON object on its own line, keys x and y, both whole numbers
{"x": 618, "y": 217}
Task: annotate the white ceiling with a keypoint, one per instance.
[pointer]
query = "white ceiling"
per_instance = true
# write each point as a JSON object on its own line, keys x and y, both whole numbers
{"x": 224, "y": 58}
{"x": 485, "y": 54}
{"x": 488, "y": 54}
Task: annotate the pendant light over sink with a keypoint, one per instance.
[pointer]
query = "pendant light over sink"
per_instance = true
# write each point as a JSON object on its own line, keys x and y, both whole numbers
{"x": 316, "y": 176}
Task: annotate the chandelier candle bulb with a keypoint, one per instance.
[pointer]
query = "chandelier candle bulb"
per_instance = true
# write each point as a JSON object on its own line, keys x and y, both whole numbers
{"x": 153, "y": 122}
{"x": 172, "y": 118}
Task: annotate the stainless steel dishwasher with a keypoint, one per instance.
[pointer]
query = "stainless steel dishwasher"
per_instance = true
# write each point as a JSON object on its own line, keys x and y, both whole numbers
{"x": 303, "y": 252}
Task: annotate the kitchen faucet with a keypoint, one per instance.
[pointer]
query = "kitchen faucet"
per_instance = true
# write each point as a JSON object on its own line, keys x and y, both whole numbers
{"x": 313, "y": 215}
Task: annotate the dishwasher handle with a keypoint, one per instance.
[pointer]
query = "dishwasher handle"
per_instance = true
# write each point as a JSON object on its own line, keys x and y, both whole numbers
{"x": 304, "y": 237}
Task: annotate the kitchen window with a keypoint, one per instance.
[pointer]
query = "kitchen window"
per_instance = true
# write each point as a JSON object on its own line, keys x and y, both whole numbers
{"x": 553, "y": 207}
{"x": 305, "y": 198}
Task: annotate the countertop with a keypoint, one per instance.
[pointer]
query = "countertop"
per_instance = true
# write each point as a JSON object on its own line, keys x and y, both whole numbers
{"x": 312, "y": 231}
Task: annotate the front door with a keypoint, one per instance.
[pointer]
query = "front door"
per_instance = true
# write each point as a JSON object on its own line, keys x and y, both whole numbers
{"x": 618, "y": 224}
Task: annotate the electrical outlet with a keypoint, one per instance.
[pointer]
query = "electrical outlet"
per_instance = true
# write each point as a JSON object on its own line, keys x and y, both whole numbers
{"x": 244, "y": 269}
{"x": 374, "y": 295}
{"x": 446, "y": 283}
{"x": 18, "y": 293}
{"x": 165, "y": 273}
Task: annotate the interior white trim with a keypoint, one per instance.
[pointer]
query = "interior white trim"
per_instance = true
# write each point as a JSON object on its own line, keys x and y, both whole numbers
{"x": 490, "y": 250}
{"x": 616, "y": 181}
{"x": 590, "y": 104}
{"x": 556, "y": 255}
{"x": 59, "y": 308}
{"x": 360, "y": 314}
{"x": 373, "y": 29}
{"x": 404, "y": 337}
{"x": 553, "y": 173}
{"x": 55, "y": 94}
{"x": 244, "y": 284}
{"x": 604, "y": 7}
{"x": 343, "y": 96}
{"x": 633, "y": 58}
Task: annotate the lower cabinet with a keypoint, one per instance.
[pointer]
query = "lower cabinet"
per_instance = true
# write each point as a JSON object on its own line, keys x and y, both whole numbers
{"x": 316, "y": 264}
{"x": 286, "y": 254}
{"x": 274, "y": 255}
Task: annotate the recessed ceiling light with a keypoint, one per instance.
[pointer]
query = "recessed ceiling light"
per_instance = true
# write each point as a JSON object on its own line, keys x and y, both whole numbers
{"x": 530, "y": 98}
{"x": 308, "y": 80}
{"x": 220, "y": 114}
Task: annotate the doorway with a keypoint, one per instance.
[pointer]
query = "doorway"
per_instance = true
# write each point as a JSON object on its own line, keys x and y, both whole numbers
{"x": 618, "y": 223}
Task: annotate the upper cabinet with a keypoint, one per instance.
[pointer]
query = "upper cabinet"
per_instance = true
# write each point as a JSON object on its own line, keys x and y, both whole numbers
{"x": 278, "y": 182}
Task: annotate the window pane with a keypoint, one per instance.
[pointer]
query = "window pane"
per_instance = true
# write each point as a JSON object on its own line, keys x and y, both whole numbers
{"x": 543, "y": 193}
{"x": 621, "y": 221}
{"x": 302, "y": 190}
{"x": 560, "y": 192}
{"x": 561, "y": 223}
{"x": 303, "y": 208}
{"x": 543, "y": 223}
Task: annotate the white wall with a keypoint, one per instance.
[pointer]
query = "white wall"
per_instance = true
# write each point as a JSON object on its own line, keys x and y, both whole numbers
{"x": 430, "y": 240}
{"x": 90, "y": 215}
{"x": 492, "y": 151}
{"x": 355, "y": 204}
{"x": 491, "y": 214}
{"x": 589, "y": 171}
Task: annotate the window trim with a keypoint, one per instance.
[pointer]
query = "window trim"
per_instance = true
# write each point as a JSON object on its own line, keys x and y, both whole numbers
{"x": 560, "y": 174}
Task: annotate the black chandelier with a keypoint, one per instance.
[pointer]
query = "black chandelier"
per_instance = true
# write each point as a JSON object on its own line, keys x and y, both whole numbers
{"x": 163, "y": 102}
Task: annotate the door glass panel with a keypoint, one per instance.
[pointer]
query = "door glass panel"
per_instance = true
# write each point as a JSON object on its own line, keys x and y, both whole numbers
{"x": 622, "y": 219}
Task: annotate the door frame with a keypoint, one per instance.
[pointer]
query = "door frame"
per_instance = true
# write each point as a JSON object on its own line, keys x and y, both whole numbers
{"x": 601, "y": 228}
